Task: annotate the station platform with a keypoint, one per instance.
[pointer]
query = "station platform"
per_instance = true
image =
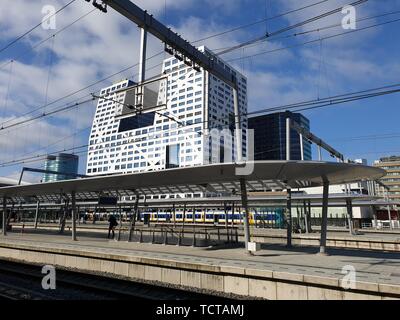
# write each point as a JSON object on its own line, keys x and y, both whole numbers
{"x": 377, "y": 240}
{"x": 274, "y": 273}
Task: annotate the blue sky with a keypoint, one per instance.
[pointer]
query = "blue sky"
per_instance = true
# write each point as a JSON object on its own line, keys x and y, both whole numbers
{"x": 102, "y": 44}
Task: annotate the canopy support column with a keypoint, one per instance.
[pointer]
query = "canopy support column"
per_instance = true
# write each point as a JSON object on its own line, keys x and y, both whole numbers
{"x": 375, "y": 217}
{"x": 4, "y": 220}
{"x": 289, "y": 217}
{"x": 73, "y": 212}
{"x": 37, "y": 214}
{"x": 238, "y": 126}
{"x": 181, "y": 233}
{"x": 133, "y": 218}
{"x": 302, "y": 147}
{"x": 349, "y": 205}
{"x": 324, "y": 224}
{"x": 120, "y": 222}
{"x": 306, "y": 220}
{"x": 388, "y": 209}
{"x": 226, "y": 222}
{"x": 246, "y": 213}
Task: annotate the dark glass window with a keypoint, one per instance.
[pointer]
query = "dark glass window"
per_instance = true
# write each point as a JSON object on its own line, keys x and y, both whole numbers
{"x": 137, "y": 122}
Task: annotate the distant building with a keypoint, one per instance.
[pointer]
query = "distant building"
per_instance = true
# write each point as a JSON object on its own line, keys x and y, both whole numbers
{"x": 65, "y": 164}
{"x": 270, "y": 136}
{"x": 392, "y": 178}
{"x": 364, "y": 162}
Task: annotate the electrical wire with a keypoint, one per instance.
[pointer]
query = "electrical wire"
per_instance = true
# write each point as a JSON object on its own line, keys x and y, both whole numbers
{"x": 314, "y": 41}
{"x": 40, "y": 43}
{"x": 77, "y": 91}
{"x": 297, "y": 34}
{"x": 348, "y": 97}
{"x": 258, "y": 22}
{"x": 35, "y": 27}
{"x": 393, "y": 91}
{"x": 130, "y": 67}
{"x": 297, "y": 25}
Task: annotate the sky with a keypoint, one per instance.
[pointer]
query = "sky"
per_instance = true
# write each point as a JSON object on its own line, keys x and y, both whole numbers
{"x": 35, "y": 73}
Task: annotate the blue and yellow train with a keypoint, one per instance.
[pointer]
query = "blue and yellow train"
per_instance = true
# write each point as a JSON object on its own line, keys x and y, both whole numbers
{"x": 258, "y": 216}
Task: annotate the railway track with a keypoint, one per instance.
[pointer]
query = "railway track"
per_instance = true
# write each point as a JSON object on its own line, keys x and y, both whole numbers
{"x": 23, "y": 282}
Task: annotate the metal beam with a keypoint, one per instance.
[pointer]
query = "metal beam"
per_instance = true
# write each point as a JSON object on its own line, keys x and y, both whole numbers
{"x": 143, "y": 56}
{"x": 73, "y": 175}
{"x": 146, "y": 21}
{"x": 313, "y": 138}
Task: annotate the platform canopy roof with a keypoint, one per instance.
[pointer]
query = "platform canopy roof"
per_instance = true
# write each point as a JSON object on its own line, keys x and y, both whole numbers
{"x": 7, "y": 182}
{"x": 217, "y": 178}
{"x": 315, "y": 200}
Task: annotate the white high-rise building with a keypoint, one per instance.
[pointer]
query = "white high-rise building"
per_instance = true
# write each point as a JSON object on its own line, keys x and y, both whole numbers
{"x": 173, "y": 134}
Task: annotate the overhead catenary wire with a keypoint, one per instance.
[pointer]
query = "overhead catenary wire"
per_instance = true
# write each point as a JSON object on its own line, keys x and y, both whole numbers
{"x": 66, "y": 107}
{"x": 5, "y": 105}
{"x": 35, "y": 27}
{"x": 57, "y": 142}
{"x": 41, "y": 157}
{"x": 80, "y": 90}
{"x": 102, "y": 80}
{"x": 319, "y": 29}
{"x": 258, "y": 22}
{"x": 160, "y": 53}
{"x": 283, "y": 30}
{"x": 296, "y": 45}
{"x": 348, "y": 97}
{"x": 40, "y": 43}
{"x": 315, "y": 40}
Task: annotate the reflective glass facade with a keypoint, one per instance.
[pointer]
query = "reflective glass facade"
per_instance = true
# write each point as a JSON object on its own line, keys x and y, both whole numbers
{"x": 270, "y": 136}
{"x": 63, "y": 163}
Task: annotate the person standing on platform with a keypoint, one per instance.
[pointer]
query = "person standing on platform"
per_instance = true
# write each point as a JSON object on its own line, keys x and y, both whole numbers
{"x": 112, "y": 225}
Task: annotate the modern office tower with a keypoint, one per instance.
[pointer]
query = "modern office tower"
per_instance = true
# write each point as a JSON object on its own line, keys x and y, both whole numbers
{"x": 177, "y": 116}
{"x": 65, "y": 164}
{"x": 270, "y": 136}
{"x": 392, "y": 178}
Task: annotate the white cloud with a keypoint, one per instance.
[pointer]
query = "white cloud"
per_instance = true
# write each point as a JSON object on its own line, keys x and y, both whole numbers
{"x": 103, "y": 44}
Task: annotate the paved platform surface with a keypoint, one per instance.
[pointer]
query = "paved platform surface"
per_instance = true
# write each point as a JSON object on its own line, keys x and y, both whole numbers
{"x": 371, "y": 267}
{"x": 333, "y": 233}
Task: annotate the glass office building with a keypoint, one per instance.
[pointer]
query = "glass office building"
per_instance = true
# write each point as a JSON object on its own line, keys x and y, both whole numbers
{"x": 270, "y": 136}
{"x": 65, "y": 164}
